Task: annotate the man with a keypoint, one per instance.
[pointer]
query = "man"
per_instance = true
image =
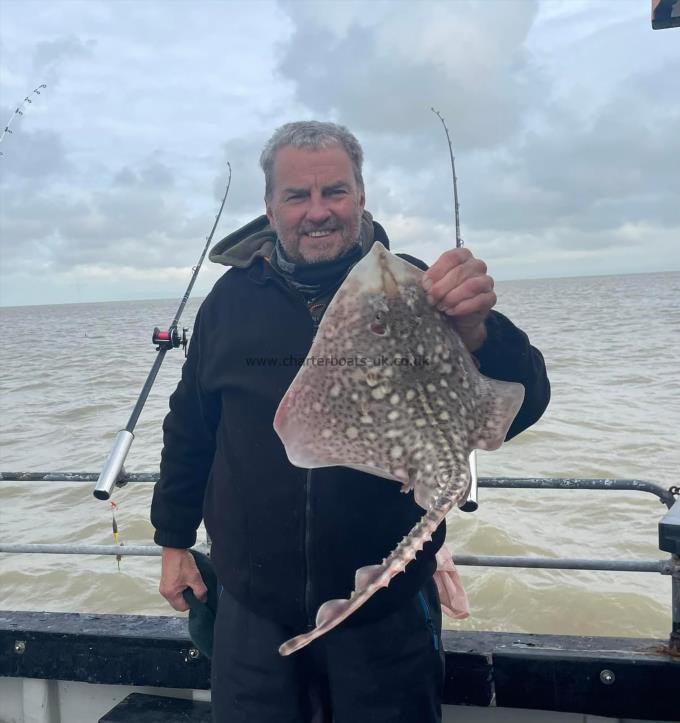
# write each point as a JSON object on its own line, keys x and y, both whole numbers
{"x": 285, "y": 540}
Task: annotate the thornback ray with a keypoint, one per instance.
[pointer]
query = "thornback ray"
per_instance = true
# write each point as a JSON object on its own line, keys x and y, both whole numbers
{"x": 388, "y": 387}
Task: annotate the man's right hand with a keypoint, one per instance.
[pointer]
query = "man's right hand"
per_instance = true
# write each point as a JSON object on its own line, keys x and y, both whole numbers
{"x": 178, "y": 572}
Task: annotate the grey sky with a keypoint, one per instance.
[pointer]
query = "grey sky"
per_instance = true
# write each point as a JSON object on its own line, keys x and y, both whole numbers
{"x": 564, "y": 117}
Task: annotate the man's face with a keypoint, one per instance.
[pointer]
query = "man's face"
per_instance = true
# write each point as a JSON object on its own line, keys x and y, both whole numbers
{"x": 316, "y": 204}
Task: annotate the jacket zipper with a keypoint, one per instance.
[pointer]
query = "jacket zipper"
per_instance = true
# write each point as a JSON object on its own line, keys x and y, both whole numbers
{"x": 308, "y": 551}
{"x": 309, "y": 612}
{"x": 428, "y": 620}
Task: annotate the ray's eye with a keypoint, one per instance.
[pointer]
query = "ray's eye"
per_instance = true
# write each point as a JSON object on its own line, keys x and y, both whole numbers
{"x": 379, "y": 323}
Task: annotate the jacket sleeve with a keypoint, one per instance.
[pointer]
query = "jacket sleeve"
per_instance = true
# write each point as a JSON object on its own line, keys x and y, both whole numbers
{"x": 508, "y": 356}
{"x": 188, "y": 449}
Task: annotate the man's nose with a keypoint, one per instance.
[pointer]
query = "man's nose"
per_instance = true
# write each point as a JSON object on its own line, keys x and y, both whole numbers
{"x": 318, "y": 210}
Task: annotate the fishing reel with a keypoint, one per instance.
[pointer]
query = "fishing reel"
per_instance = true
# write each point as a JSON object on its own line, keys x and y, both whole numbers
{"x": 169, "y": 339}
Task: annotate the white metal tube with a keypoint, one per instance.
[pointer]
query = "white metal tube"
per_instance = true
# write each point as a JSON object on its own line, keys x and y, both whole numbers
{"x": 110, "y": 474}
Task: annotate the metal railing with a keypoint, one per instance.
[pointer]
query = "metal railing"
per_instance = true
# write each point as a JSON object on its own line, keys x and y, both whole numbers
{"x": 665, "y": 495}
{"x": 663, "y": 567}
{"x": 669, "y": 531}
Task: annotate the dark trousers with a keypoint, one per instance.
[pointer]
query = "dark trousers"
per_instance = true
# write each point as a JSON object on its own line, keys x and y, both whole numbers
{"x": 389, "y": 671}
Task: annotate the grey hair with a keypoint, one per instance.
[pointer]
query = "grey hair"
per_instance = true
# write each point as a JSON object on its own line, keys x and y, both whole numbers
{"x": 312, "y": 135}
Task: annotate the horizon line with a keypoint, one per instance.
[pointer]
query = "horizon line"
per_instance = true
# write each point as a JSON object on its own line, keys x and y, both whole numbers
{"x": 500, "y": 281}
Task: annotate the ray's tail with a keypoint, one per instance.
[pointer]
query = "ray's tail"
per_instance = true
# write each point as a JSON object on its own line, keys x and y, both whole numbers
{"x": 370, "y": 579}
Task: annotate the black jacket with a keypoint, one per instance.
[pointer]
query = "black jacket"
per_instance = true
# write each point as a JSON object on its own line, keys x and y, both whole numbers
{"x": 285, "y": 539}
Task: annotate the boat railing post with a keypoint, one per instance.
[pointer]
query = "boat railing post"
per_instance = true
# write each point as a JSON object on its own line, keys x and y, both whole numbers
{"x": 669, "y": 541}
{"x": 472, "y": 501}
{"x": 674, "y": 641}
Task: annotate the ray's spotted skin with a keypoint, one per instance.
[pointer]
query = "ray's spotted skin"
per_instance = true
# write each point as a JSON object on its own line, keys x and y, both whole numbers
{"x": 389, "y": 388}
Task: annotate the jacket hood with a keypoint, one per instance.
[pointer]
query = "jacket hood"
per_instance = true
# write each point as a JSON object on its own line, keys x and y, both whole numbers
{"x": 258, "y": 238}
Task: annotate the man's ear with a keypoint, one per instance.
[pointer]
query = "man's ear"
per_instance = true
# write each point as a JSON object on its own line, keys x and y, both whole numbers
{"x": 270, "y": 214}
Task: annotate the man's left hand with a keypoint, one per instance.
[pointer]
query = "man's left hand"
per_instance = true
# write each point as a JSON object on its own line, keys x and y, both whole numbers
{"x": 458, "y": 285}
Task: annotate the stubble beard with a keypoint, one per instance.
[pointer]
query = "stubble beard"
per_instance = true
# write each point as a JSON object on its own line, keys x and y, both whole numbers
{"x": 320, "y": 253}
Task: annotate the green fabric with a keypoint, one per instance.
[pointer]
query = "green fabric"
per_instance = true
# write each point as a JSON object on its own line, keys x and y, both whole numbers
{"x": 202, "y": 614}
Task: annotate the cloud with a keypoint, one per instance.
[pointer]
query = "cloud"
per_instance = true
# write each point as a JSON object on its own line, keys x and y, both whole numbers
{"x": 137, "y": 217}
{"x": 562, "y": 117}
{"x": 558, "y": 159}
{"x": 590, "y": 174}
{"x": 548, "y": 252}
{"x": 34, "y": 155}
{"x": 617, "y": 166}
{"x": 50, "y": 55}
{"x": 380, "y": 70}
{"x": 152, "y": 175}
{"x": 246, "y": 195}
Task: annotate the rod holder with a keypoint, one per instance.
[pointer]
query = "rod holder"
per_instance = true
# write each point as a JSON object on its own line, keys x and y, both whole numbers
{"x": 471, "y": 503}
{"x": 113, "y": 468}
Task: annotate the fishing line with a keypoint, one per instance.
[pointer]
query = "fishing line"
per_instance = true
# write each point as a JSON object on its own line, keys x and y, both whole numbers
{"x": 114, "y": 529}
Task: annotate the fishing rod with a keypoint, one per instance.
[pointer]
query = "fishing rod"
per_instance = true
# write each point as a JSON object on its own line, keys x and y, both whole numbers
{"x": 472, "y": 502}
{"x": 456, "y": 206}
{"x": 113, "y": 472}
{"x": 19, "y": 110}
